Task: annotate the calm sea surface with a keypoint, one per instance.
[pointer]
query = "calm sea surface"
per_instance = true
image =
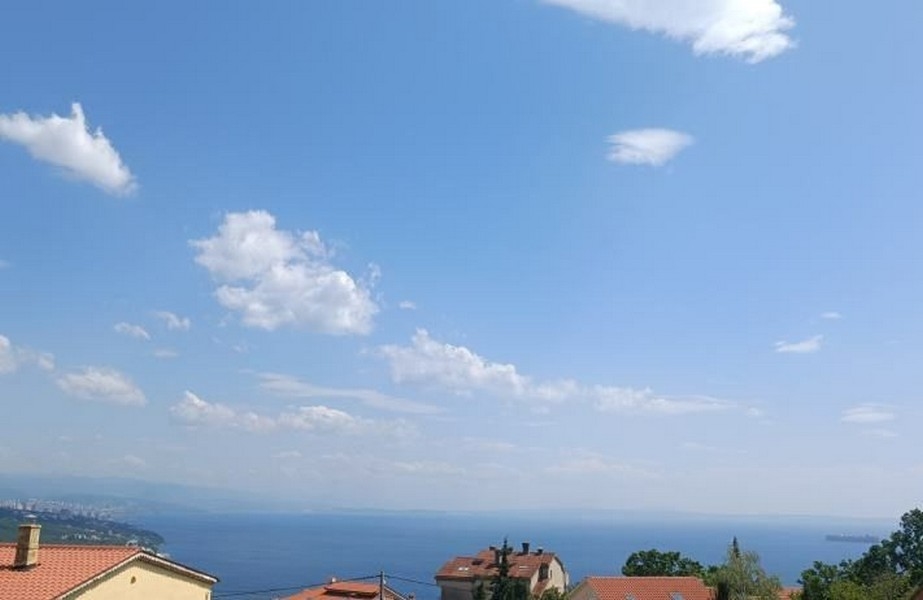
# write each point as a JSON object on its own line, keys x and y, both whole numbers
{"x": 263, "y": 552}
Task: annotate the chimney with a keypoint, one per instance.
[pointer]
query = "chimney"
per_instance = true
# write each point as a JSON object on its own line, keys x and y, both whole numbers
{"x": 525, "y": 547}
{"x": 540, "y": 551}
{"x": 27, "y": 546}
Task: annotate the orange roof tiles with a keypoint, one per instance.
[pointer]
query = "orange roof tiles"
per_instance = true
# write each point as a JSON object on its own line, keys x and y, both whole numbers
{"x": 61, "y": 568}
{"x": 483, "y": 565}
{"x": 649, "y": 588}
{"x": 344, "y": 589}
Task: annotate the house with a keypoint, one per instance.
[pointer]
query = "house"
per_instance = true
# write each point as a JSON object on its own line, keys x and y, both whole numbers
{"x": 348, "y": 590}
{"x": 459, "y": 577}
{"x": 68, "y": 572}
{"x": 642, "y": 588}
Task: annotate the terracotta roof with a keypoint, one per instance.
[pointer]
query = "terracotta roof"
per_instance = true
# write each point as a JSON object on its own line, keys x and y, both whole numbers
{"x": 483, "y": 565}
{"x": 345, "y": 589}
{"x": 788, "y": 593}
{"x": 649, "y": 588}
{"x": 62, "y": 568}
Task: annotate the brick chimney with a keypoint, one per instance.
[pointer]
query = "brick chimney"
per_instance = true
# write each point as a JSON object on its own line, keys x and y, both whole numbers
{"x": 27, "y": 546}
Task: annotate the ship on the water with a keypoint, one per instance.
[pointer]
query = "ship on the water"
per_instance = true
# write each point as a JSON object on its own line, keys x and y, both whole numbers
{"x": 859, "y": 539}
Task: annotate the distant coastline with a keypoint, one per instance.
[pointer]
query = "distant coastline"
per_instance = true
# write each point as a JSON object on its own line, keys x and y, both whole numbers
{"x": 859, "y": 539}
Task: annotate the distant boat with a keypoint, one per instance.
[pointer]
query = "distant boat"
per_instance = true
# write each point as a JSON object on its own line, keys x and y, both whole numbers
{"x": 860, "y": 539}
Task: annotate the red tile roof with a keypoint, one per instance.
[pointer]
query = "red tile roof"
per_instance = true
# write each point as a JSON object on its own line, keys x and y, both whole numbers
{"x": 62, "y": 568}
{"x": 345, "y": 589}
{"x": 649, "y": 588}
{"x": 483, "y": 565}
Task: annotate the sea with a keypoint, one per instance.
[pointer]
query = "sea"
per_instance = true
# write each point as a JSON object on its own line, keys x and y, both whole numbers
{"x": 265, "y": 556}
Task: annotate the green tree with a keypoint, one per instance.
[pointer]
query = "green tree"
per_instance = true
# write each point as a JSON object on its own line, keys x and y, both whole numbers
{"x": 816, "y": 581}
{"x": 504, "y": 587}
{"x": 741, "y": 577}
{"x": 653, "y": 563}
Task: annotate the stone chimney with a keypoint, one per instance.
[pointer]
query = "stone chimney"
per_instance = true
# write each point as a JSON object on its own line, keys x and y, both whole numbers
{"x": 525, "y": 547}
{"x": 27, "y": 546}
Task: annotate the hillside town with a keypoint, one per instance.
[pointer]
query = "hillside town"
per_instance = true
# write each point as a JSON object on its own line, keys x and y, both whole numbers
{"x": 32, "y": 570}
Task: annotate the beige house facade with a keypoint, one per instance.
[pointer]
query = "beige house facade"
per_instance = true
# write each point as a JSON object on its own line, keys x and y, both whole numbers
{"x": 71, "y": 572}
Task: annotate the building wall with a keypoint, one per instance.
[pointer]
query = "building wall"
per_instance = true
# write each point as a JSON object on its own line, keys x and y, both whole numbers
{"x": 143, "y": 581}
{"x": 458, "y": 589}
{"x": 558, "y": 576}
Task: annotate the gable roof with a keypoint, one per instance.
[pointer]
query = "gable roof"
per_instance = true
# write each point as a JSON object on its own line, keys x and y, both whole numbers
{"x": 338, "y": 590}
{"x": 65, "y": 568}
{"x": 649, "y": 588}
{"x": 483, "y": 565}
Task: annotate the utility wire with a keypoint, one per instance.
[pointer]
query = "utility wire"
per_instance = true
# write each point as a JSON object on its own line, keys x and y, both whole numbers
{"x": 288, "y": 589}
{"x": 408, "y": 580}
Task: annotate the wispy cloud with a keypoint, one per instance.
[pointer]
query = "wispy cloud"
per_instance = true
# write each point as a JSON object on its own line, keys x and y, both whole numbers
{"x": 277, "y": 278}
{"x": 284, "y": 385}
{"x": 173, "y": 321}
{"x": 13, "y": 357}
{"x": 4, "y": 264}
{"x": 429, "y": 362}
{"x": 102, "y": 384}
{"x": 591, "y": 463}
{"x": 753, "y": 30}
{"x": 880, "y": 433}
{"x": 407, "y": 305}
{"x": 867, "y": 413}
{"x": 629, "y": 400}
{"x": 808, "y": 346}
{"x": 165, "y": 353}
{"x": 67, "y": 142}
{"x": 831, "y": 315}
{"x": 653, "y": 147}
{"x": 194, "y": 411}
{"x": 135, "y": 331}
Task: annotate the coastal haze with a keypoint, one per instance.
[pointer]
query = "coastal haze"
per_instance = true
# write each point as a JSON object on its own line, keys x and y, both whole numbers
{"x": 487, "y": 255}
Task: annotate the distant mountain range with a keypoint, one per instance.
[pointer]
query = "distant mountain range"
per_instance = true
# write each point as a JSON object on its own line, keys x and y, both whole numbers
{"x": 128, "y": 498}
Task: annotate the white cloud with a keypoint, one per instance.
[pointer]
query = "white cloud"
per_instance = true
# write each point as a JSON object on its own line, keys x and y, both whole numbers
{"x": 453, "y": 367}
{"x": 831, "y": 315}
{"x": 753, "y": 30}
{"x": 425, "y": 467}
{"x": 135, "y": 331}
{"x": 165, "y": 353}
{"x": 135, "y": 462}
{"x": 287, "y": 455}
{"x": 67, "y": 142}
{"x": 654, "y": 147}
{"x": 867, "y": 413}
{"x": 635, "y": 401}
{"x": 292, "y": 387}
{"x": 430, "y": 362}
{"x": 808, "y": 346}
{"x": 102, "y": 384}
{"x": 276, "y": 278}
{"x": 13, "y": 357}
{"x": 591, "y": 463}
{"x": 193, "y": 410}
{"x": 407, "y": 305}
{"x": 173, "y": 321}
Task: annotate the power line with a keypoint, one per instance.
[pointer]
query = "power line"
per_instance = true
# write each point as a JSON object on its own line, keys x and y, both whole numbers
{"x": 287, "y": 589}
{"x": 408, "y": 580}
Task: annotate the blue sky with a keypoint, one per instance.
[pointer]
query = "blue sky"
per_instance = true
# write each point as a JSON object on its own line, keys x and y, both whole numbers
{"x": 561, "y": 253}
